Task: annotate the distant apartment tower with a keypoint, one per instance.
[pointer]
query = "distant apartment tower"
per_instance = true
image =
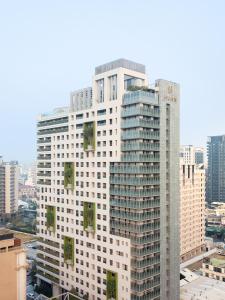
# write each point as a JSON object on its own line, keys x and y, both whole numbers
{"x": 8, "y": 188}
{"x": 192, "y": 155}
{"x": 215, "y": 183}
{"x": 108, "y": 180}
{"x": 200, "y": 156}
{"x": 192, "y": 210}
{"x": 13, "y": 267}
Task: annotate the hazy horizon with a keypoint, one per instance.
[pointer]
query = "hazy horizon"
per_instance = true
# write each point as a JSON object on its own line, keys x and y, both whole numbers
{"x": 49, "y": 49}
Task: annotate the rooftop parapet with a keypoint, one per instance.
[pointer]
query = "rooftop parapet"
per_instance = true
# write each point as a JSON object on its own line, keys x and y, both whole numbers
{"x": 120, "y": 63}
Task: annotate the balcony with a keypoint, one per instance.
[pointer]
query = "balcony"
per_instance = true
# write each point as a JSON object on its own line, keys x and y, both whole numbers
{"x": 139, "y": 96}
{"x": 139, "y": 111}
{"x": 135, "y": 204}
{"x": 44, "y": 149}
{"x": 131, "y": 123}
{"x": 44, "y": 166}
{"x": 135, "y": 216}
{"x": 139, "y": 146}
{"x": 140, "y": 158}
{"x": 140, "y": 134}
{"x": 44, "y": 140}
{"x": 146, "y": 262}
{"x": 44, "y": 182}
{"x": 49, "y": 251}
{"x": 145, "y": 286}
{"x": 134, "y": 193}
{"x": 48, "y": 268}
{"x": 134, "y": 227}
{"x": 52, "y": 122}
{"x": 140, "y": 252}
{"x": 50, "y": 243}
{"x": 134, "y": 169}
{"x": 48, "y": 276}
{"x": 134, "y": 180}
{"x": 42, "y": 174}
{"x": 44, "y": 157}
{"x": 48, "y": 259}
{"x": 53, "y": 130}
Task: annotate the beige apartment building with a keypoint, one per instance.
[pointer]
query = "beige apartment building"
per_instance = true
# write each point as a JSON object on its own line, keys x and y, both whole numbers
{"x": 192, "y": 208}
{"x": 13, "y": 267}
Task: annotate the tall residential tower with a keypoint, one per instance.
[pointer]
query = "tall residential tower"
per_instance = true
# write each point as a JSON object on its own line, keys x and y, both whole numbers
{"x": 215, "y": 183}
{"x": 9, "y": 172}
{"x": 108, "y": 178}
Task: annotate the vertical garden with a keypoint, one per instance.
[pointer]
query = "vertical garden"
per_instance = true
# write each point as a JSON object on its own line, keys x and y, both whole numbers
{"x": 51, "y": 217}
{"x": 89, "y": 136}
{"x": 69, "y": 175}
{"x": 89, "y": 216}
{"x": 69, "y": 250}
{"x": 112, "y": 285}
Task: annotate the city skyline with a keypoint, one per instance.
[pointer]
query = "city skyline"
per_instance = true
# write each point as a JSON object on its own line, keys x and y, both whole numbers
{"x": 46, "y": 45}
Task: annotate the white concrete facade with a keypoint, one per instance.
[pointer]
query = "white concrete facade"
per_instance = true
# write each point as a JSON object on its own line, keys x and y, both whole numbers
{"x": 61, "y": 141}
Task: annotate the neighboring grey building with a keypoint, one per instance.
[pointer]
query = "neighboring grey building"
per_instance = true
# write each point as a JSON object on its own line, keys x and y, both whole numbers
{"x": 215, "y": 183}
{"x": 200, "y": 154}
{"x": 108, "y": 176}
{"x": 9, "y": 172}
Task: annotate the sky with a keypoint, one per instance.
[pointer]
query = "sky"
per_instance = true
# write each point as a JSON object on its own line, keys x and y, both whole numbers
{"x": 50, "y": 48}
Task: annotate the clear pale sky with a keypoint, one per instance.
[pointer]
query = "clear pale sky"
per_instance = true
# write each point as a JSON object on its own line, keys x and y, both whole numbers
{"x": 50, "y": 47}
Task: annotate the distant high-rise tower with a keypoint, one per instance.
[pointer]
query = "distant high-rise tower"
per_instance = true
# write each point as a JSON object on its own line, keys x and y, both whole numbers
{"x": 108, "y": 176}
{"x": 9, "y": 173}
{"x": 215, "y": 183}
{"x": 192, "y": 155}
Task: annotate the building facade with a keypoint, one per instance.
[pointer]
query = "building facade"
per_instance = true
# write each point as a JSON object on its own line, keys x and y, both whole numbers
{"x": 192, "y": 210}
{"x": 215, "y": 184}
{"x": 13, "y": 267}
{"x": 214, "y": 267}
{"x": 8, "y": 188}
{"x": 193, "y": 155}
{"x": 108, "y": 179}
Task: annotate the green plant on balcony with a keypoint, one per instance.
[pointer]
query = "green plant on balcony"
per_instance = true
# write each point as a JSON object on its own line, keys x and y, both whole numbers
{"x": 69, "y": 175}
{"x": 51, "y": 217}
{"x": 133, "y": 88}
{"x": 112, "y": 286}
{"x": 89, "y": 136}
{"x": 69, "y": 250}
{"x": 89, "y": 216}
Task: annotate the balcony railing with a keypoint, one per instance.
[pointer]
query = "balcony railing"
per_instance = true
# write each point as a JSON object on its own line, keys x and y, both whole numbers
{"x": 139, "y": 134}
{"x": 138, "y": 110}
{"x": 133, "y": 216}
{"x": 135, "y": 204}
{"x": 134, "y": 180}
{"x": 134, "y": 169}
{"x": 131, "y": 123}
{"x": 134, "y": 193}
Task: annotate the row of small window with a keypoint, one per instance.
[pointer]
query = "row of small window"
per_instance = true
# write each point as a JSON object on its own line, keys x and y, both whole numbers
{"x": 88, "y": 114}
{"x": 99, "y": 123}
{"x": 99, "y": 133}
{"x": 82, "y": 164}
{"x": 99, "y": 205}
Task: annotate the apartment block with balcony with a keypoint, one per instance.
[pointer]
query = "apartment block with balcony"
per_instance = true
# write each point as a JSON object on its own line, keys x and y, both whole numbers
{"x": 108, "y": 179}
{"x": 9, "y": 173}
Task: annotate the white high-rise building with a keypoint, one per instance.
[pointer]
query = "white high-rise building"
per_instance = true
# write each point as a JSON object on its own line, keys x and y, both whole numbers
{"x": 108, "y": 179}
{"x": 9, "y": 180}
{"x": 193, "y": 155}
